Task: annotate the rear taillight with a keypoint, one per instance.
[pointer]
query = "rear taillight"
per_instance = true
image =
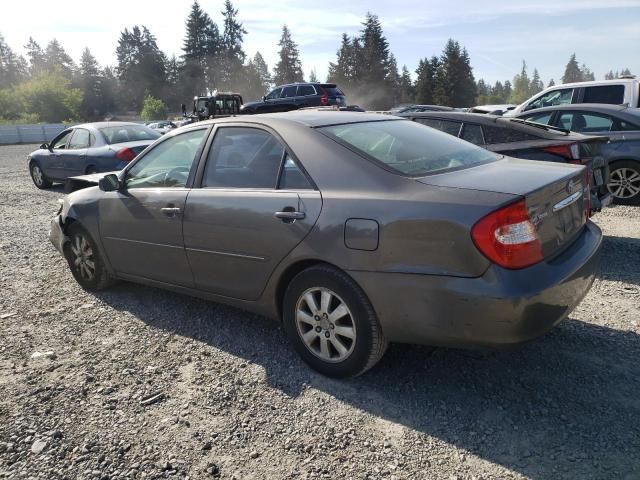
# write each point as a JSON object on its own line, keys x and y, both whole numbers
{"x": 125, "y": 154}
{"x": 570, "y": 151}
{"x": 508, "y": 237}
{"x": 586, "y": 192}
{"x": 324, "y": 99}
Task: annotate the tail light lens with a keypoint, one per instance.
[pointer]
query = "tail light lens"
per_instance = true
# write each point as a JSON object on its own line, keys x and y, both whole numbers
{"x": 586, "y": 188}
{"x": 570, "y": 151}
{"x": 125, "y": 154}
{"x": 508, "y": 237}
{"x": 324, "y": 99}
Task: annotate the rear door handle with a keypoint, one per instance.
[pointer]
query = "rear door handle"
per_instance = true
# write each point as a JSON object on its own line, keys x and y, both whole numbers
{"x": 170, "y": 210}
{"x": 290, "y": 215}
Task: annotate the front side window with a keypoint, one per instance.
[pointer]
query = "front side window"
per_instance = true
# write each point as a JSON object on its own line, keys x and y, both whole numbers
{"x": 447, "y": 126}
{"x": 81, "y": 138}
{"x": 128, "y": 133}
{"x": 61, "y": 140}
{"x": 407, "y": 147}
{"x": 612, "y": 94}
{"x": 243, "y": 157}
{"x": 167, "y": 164}
{"x": 555, "y": 97}
{"x": 288, "y": 92}
{"x": 274, "y": 94}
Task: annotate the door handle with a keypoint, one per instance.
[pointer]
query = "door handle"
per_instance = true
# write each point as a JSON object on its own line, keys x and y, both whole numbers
{"x": 170, "y": 210}
{"x": 290, "y": 215}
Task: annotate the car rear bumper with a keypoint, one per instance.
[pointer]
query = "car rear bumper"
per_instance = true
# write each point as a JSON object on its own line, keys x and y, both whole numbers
{"x": 502, "y": 307}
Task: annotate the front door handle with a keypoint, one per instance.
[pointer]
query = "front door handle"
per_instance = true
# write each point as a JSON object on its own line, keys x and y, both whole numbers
{"x": 170, "y": 210}
{"x": 290, "y": 216}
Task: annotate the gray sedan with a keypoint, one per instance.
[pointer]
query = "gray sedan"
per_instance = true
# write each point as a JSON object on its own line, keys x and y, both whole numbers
{"x": 352, "y": 229}
{"x": 88, "y": 148}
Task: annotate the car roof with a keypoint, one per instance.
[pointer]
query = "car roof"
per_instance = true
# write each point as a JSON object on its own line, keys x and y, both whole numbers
{"x": 591, "y": 83}
{"x": 596, "y": 107}
{"x": 108, "y": 124}
{"x": 454, "y": 115}
{"x": 307, "y": 118}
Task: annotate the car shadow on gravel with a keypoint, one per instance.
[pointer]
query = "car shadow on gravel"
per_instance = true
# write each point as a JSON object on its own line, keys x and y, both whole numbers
{"x": 618, "y": 254}
{"x": 564, "y": 406}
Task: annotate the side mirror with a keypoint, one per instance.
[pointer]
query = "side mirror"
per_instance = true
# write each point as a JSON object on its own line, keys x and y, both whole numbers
{"x": 264, "y": 98}
{"x": 109, "y": 183}
{"x": 46, "y": 146}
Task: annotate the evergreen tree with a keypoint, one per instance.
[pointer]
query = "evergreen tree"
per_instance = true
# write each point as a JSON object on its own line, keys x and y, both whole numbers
{"x": 393, "y": 79}
{"x": 90, "y": 84}
{"x": 231, "y": 56}
{"x": 454, "y": 82}
{"x": 552, "y": 83}
{"x": 176, "y": 91}
{"x": 587, "y": 74}
{"x": 372, "y": 64}
{"x": 521, "y": 85}
{"x": 263, "y": 72}
{"x": 572, "y": 72}
{"x": 289, "y": 68}
{"x": 109, "y": 89}
{"x": 610, "y": 75}
{"x": 13, "y": 69}
{"x": 141, "y": 66}
{"x": 343, "y": 70}
{"x": 313, "y": 76}
{"x": 625, "y": 71}
{"x": 201, "y": 48}
{"x": 425, "y": 81}
{"x": 56, "y": 58}
{"x": 506, "y": 96}
{"x": 405, "y": 87}
{"x": 536, "y": 84}
{"x": 36, "y": 57}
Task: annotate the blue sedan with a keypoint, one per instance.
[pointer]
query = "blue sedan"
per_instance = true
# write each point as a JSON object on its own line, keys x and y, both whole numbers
{"x": 89, "y": 148}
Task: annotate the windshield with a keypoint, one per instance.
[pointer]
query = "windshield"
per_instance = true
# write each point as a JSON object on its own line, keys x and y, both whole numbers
{"x": 128, "y": 133}
{"x": 408, "y": 147}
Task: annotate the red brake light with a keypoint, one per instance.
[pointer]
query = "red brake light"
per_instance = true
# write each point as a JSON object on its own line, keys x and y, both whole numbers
{"x": 508, "y": 237}
{"x": 125, "y": 154}
{"x": 570, "y": 151}
{"x": 324, "y": 99}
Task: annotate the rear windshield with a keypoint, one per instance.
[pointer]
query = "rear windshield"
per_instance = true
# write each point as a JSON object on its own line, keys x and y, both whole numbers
{"x": 332, "y": 90}
{"x": 408, "y": 147}
{"x": 128, "y": 133}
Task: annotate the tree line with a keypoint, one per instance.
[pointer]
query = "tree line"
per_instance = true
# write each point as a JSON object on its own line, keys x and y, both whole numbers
{"x": 49, "y": 86}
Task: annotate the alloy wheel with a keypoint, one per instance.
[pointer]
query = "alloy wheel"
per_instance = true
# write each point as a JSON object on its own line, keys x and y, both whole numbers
{"x": 83, "y": 260}
{"x": 38, "y": 176}
{"x": 325, "y": 324}
{"x": 624, "y": 183}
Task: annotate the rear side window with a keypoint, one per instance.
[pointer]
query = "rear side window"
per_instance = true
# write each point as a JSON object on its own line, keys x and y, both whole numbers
{"x": 288, "y": 92}
{"x": 306, "y": 90}
{"x": 505, "y": 135}
{"x": 81, "y": 138}
{"x": 292, "y": 177}
{"x": 623, "y": 125}
{"x": 446, "y": 126}
{"x": 585, "y": 122}
{"x": 472, "y": 133}
{"x": 543, "y": 118}
{"x": 128, "y": 133}
{"x": 332, "y": 90}
{"x": 612, "y": 94}
{"x": 407, "y": 147}
{"x": 242, "y": 157}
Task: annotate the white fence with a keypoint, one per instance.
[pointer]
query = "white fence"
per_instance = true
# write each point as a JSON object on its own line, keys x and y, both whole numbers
{"x": 36, "y": 133}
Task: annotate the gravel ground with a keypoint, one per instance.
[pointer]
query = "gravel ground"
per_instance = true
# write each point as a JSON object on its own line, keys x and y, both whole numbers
{"x": 140, "y": 383}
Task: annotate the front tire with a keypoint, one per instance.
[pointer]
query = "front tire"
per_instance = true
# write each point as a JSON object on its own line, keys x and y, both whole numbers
{"x": 85, "y": 261}
{"x": 624, "y": 182}
{"x": 331, "y": 323}
{"x": 38, "y": 176}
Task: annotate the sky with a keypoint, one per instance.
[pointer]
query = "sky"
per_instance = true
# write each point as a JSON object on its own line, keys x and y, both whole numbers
{"x": 604, "y": 34}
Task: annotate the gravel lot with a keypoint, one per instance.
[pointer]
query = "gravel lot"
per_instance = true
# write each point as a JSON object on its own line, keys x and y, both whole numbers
{"x": 148, "y": 384}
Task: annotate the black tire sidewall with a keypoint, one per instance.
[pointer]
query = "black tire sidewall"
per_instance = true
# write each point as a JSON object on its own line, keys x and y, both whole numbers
{"x": 45, "y": 181}
{"x": 631, "y": 164}
{"x": 74, "y": 230}
{"x": 361, "y": 311}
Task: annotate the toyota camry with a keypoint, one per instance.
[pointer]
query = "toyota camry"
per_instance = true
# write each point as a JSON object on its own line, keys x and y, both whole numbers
{"x": 352, "y": 229}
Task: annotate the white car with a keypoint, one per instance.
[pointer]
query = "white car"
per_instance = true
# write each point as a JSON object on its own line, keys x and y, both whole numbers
{"x": 492, "y": 109}
{"x": 162, "y": 126}
{"x": 620, "y": 91}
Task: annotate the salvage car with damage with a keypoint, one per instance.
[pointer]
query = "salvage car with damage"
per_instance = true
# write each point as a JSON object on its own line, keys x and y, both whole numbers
{"x": 352, "y": 229}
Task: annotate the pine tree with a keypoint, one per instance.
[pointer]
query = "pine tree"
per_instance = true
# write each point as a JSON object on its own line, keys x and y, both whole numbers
{"x": 263, "y": 72}
{"x": 521, "y": 85}
{"x": 289, "y": 68}
{"x": 141, "y": 66}
{"x": 393, "y": 79}
{"x": 625, "y": 71}
{"x": 91, "y": 85}
{"x": 424, "y": 82}
{"x": 231, "y": 56}
{"x": 572, "y": 72}
{"x": 610, "y": 75}
{"x": 313, "y": 75}
{"x": 373, "y": 64}
{"x": 507, "y": 92}
{"x": 201, "y": 48}
{"x": 56, "y": 58}
{"x": 536, "y": 84}
{"x": 13, "y": 69}
{"x": 342, "y": 72}
{"x": 406, "y": 87}
{"x": 552, "y": 83}
{"x": 454, "y": 82}
{"x": 587, "y": 74}
{"x": 36, "y": 57}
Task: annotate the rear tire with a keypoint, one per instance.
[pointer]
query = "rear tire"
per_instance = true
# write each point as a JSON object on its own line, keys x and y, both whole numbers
{"x": 37, "y": 175}
{"x": 331, "y": 323}
{"x": 85, "y": 261}
{"x": 624, "y": 182}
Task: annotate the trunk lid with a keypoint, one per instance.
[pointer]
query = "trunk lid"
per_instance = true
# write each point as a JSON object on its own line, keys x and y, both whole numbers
{"x": 554, "y": 194}
{"x": 137, "y": 146}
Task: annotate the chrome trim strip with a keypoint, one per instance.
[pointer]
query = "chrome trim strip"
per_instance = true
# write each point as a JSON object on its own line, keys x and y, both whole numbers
{"x": 143, "y": 242}
{"x": 227, "y": 254}
{"x": 567, "y": 201}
